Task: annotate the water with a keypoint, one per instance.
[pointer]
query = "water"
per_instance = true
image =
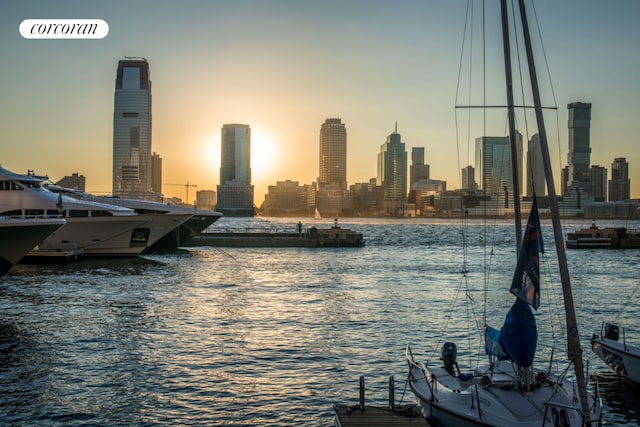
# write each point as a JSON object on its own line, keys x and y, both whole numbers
{"x": 275, "y": 336}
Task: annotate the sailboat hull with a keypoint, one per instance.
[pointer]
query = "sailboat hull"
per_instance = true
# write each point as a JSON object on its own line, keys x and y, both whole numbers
{"x": 624, "y": 359}
{"x": 482, "y": 402}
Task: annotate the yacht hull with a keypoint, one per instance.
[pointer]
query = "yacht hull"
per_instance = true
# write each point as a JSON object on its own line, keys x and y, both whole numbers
{"x": 18, "y": 236}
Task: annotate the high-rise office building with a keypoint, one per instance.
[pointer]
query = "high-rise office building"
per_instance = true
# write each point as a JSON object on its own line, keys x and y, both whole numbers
{"x": 333, "y": 154}
{"x": 418, "y": 169}
{"x": 235, "y": 191}
{"x": 156, "y": 173}
{"x": 579, "y": 156}
{"x": 493, "y": 163}
{"x": 468, "y": 178}
{"x": 132, "y": 175}
{"x": 599, "y": 183}
{"x": 392, "y": 173}
{"x": 535, "y": 168}
{"x": 619, "y": 184}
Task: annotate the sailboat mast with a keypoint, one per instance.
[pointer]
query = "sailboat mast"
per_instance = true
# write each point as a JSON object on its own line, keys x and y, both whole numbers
{"x": 573, "y": 338}
{"x": 512, "y": 125}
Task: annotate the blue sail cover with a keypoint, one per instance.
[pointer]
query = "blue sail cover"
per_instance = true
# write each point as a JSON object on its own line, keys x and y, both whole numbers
{"x": 526, "y": 278}
{"x": 518, "y": 338}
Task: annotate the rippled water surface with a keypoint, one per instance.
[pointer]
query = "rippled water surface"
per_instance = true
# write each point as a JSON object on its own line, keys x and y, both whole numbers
{"x": 276, "y": 336}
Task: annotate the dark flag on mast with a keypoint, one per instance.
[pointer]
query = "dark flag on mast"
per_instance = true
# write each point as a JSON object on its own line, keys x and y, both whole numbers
{"x": 526, "y": 279}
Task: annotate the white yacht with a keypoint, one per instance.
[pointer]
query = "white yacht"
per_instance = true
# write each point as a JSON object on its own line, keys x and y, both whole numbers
{"x": 198, "y": 220}
{"x": 20, "y": 235}
{"x": 97, "y": 229}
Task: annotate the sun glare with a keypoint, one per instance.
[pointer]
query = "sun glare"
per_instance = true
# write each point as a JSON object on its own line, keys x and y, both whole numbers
{"x": 264, "y": 154}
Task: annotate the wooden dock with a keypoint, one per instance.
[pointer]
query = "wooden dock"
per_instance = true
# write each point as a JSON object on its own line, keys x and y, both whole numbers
{"x": 373, "y": 416}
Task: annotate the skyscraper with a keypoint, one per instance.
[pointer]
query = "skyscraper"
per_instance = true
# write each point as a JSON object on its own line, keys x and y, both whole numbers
{"x": 619, "y": 184}
{"x": 333, "y": 154}
{"x": 493, "y": 163}
{"x": 132, "y": 131}
{"x": 535, "y": 168}
{"x": 392, "y": 173}
{"x": 235, "y": 192}
{"x": 579, "y": 156}
{"x": 599, "y": 183}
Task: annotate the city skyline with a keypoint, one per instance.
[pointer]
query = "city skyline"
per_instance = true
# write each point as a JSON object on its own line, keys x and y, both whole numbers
{"x": 275, "y": 66}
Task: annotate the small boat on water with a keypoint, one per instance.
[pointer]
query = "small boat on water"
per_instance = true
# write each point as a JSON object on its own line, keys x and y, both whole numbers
{"x": 603, "y": 237}
{"x": 622, "y": 357}
{"x": 20, "y": 235}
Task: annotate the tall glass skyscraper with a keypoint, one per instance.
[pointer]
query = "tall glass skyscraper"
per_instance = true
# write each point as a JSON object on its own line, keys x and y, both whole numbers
{"x": 333, "y": 153}
{"x": 579, "y": 156}
{"x": 493, "y": 163}
{"x": 392, "y": 173}
{"x": 132, "y": 174}
{"x": 235, "y": 192}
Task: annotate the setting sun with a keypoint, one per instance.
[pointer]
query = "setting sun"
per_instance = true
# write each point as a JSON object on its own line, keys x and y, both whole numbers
{"x": 264, "y": 154}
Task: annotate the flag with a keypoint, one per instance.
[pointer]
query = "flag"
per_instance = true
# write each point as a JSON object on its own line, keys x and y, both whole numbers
{"x": 526, "y": 279}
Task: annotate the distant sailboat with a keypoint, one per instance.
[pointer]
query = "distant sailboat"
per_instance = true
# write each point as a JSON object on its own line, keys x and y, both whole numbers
{"x": 317, "y": 215}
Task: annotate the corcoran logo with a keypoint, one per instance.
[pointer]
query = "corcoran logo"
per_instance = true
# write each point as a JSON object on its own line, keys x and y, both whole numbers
{"x": 64, "y": 29}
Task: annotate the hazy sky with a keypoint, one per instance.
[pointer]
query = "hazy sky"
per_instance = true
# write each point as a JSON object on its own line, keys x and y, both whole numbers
{"x": 284, "y": 66}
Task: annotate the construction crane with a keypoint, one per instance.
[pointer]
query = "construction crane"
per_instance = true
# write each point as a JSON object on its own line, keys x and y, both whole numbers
{"x": 187, "y": 185}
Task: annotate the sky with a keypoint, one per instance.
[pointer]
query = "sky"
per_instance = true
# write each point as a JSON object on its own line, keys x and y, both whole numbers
{"x": 284, "y": 66}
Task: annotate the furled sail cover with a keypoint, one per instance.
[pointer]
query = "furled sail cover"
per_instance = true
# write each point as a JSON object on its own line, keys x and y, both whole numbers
{"x": 518, "y": 338}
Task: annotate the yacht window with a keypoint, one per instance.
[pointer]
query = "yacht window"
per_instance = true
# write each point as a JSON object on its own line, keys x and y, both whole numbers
{"x": 74, "y": 213}
{"x": 33, "y": 212}
{"x": 53, "y": 212}
{"x": 31, "y": 184}
{"x": 9, "y": 185}
{"x": 16, "y": 212}
{"x": 101, "y": 213}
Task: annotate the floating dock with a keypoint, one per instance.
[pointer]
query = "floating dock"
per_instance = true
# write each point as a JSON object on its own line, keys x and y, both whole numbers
{"x": 374, "y": 416}
{"x": 311, "y": 238}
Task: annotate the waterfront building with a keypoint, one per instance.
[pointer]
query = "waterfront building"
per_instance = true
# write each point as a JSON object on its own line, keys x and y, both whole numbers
{"x": 619, "y": 184}
{"x": 132, "y": 175}
{"x": 493, "y": 163}
{"x": 579, "y": 156}
{"x": 206, "y": 199}
{"x": 418, "y": 170}
{"x": 367, "y": 198}
{"x": 332, "y": 199}
{"x": 235, "y": 191}
{"x": 599, "y": 183}
{"x": 535, "y": 168}
{"x": 392, "y": 173}
{"x": 286, "y": 198}
{"x": 468, "y": 179}
{"x": 75, "y": 181}
{"x": 333, "y": 153}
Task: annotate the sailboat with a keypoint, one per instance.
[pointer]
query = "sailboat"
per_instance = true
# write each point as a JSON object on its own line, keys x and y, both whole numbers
{"x": 510, "y": 391}
{"x": 621, "y": 356}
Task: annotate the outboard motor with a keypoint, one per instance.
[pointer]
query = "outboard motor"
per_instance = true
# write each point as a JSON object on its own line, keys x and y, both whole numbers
{"x": 450, "y": 357}
{"x": 611, "y": 332}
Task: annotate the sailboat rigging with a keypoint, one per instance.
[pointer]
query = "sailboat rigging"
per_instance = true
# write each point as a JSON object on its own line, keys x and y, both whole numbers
{"x": 514, "y": 394}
